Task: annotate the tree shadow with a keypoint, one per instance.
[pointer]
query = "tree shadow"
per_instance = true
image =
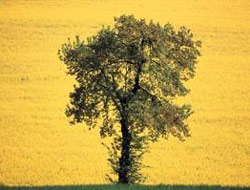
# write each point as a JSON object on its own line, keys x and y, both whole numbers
{"x": 125, "y": 187}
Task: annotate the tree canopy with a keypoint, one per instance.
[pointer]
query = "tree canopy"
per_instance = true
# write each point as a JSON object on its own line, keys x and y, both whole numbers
{"x": 127, "y": 78}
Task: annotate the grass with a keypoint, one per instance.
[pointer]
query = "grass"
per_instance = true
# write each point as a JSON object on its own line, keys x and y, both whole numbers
{"x": 126, "y": 187}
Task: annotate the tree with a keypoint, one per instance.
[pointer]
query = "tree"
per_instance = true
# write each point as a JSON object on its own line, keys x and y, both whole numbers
{"x": 127, "y": 78}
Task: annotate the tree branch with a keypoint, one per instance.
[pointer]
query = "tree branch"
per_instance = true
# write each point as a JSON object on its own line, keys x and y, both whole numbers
{"x": 111, "y": 96}
{"x": 136, "y": 86}
{"x": 112, "y": 83}
{"x": 153, "y": 97}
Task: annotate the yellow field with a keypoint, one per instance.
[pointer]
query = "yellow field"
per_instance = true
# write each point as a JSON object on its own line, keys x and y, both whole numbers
{"x": 37, "y": 146}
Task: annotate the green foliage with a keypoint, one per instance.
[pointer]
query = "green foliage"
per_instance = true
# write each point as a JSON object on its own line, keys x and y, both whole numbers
{"x": 130, "y": 75}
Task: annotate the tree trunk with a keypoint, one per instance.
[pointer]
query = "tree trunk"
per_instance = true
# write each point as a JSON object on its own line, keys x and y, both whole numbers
{"x": 124, "y": 162}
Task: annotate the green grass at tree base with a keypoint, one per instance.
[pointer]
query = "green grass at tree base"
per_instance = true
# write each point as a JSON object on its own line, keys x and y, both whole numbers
{"x": 125, "y": 187}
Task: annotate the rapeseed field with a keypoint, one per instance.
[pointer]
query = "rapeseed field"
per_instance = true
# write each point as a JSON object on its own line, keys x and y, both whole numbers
{"x": 39, "y": 147}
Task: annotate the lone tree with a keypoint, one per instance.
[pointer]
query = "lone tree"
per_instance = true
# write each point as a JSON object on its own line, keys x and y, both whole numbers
{"x": 127, "y": 78}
